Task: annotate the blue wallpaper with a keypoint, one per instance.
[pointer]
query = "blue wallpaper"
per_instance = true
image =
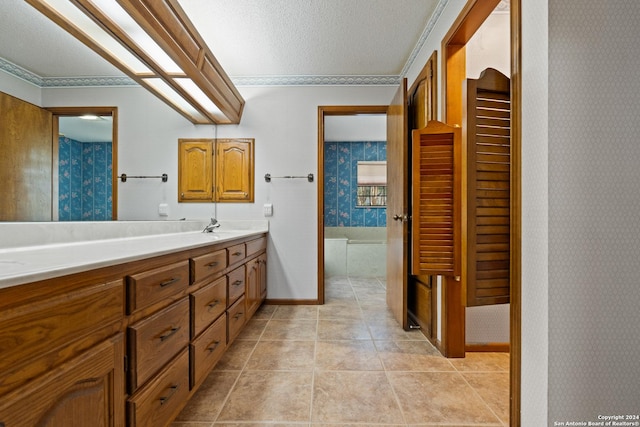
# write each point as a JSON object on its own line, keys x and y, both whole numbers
{"x": 84, "y": 180}
{"x": 340, "y": 185}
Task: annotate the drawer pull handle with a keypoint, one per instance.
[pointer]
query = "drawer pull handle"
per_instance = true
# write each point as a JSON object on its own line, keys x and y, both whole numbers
{"x": 169, "y": 333}
{"x": 169, "y": 282}
{"x": 212, "y": 264}
{"x": 237, "y": 253}
{"x": 172, "y": 391}
{"x": 237, "y": 283}
{"x": 238, "y": 315}
{"x": 213, "y": 346}
{"x": 213, "y": 304}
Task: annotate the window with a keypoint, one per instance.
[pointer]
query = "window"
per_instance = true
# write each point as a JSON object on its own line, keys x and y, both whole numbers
{"x": 372, "y": 184}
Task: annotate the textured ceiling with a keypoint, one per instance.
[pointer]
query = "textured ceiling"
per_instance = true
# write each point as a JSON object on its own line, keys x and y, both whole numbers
{"x": 257, "y": 38}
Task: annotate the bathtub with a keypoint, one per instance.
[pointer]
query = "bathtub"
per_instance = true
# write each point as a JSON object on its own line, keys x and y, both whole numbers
{"x": 355, "y": 251}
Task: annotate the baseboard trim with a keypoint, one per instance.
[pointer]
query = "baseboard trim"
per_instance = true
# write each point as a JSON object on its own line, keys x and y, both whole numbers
{"x": 491, "y": 347}
{"x": 291, "y": 301}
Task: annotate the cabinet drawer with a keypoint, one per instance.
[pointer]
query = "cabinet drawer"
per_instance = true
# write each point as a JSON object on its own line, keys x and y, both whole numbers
{"x": 38, "y": 335}
{"x": 207, "y": 304}
{"x": 256, "y": 245}
{"x": 207, "y": 265}
{"x": 160, "y": 400}
{"x": 207, "y": 349}
{"x": 236, "y": 253}
{"x": 144, "y": 289}
{"x": 236, "y": 284}
{"x": 236, "y": 317}
{"x": 156, "y": 339}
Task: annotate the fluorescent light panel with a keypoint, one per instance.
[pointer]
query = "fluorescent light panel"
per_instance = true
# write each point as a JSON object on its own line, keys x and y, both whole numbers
{"x": 159, "y": 75}
{"x": 120, "y": 17}
{"x": 168, "y": 93}
{"x": 76, "y": 18}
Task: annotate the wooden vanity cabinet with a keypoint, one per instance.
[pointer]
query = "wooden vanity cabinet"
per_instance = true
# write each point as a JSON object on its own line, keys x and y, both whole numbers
{"x": 125, "y": 345}
{"x": 86, "y": 391}
{"x": 62, "y": 352}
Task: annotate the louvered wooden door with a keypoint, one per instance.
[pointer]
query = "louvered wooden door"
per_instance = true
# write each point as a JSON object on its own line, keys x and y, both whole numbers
{"x": 487, "y": 134}
{"x": 436, "y": 200}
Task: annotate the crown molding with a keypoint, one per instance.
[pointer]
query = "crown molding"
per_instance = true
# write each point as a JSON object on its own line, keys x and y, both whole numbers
{"x": 314, "y": 80}
{"x": 111, "y": 81}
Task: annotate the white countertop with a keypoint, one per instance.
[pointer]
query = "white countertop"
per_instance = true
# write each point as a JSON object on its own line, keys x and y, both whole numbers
{"x": 32, "y": 263}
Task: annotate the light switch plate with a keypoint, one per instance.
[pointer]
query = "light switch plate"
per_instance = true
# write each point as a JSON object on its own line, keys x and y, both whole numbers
{"x": 268, "y": 209}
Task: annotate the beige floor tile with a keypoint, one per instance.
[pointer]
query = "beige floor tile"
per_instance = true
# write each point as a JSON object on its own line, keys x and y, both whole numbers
{"x": 269, "y": 396}
{"x": 253, "y": 330}
{"x": 290, "y": 329}
{"x": 296, "y": 312}
{"x": 493, "y": 388}
{"x": 342, "y": 329}
{"x": 207, "y": 402}
{"x": 411, "y": 356}
{"x": 261, "y": 425}
{"x": 340, "y": 310}
{"x": 352, "y": 355}
{"x": 179, "y": 424}
{"x": 282, "y": 355}
{"x": 265, "y": 311}
{"x": 236, "y": 356}
{"x": 482, "y": 362}
{"x": 349, "y": 397}
{"x": 439, "y": 397}
{"x": 390, "y": 329}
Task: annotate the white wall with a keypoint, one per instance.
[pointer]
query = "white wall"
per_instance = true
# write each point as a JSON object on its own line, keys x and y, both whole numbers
{"x": 594, "y": 233}
{"x": 362, "y": 127}
{"x": 283, "y": 121}
{"x": 535, "y": 207}
{"x": 19, "y": 88}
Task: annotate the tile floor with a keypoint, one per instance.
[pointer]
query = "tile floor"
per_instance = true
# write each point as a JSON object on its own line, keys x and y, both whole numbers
{"x": 346, "y": 363}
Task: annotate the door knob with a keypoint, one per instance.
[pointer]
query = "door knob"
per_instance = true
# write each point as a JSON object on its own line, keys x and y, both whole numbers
{"x": 397, "y": 217}
{"x": 403, "y": 218}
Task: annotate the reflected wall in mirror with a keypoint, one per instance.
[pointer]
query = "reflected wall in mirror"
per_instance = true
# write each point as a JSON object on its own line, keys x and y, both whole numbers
{"x": 84, "y": 159}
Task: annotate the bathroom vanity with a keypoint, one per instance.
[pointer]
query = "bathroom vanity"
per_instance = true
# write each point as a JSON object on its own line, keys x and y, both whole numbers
{"x": 122, "y": 331}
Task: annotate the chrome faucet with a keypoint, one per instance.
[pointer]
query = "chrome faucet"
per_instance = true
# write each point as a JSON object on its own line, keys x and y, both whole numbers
{"x": 211, "y": 226}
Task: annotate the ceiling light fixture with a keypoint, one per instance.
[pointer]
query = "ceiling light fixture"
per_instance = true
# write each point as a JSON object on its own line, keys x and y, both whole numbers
{"x": 154, "y": 43}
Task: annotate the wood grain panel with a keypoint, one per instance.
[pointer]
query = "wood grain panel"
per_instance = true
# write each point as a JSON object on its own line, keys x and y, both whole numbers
{"x": 25, "y": 161}
{"x": 398, "y": 204}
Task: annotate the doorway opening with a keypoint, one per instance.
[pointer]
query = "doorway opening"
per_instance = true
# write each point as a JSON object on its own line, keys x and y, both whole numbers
{"x": 85, "y": 153}
{"x": 454, "y": 71}
{"x": 323, "y": 217}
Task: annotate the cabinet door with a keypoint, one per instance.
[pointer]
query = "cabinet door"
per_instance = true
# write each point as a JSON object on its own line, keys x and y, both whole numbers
{"x": 86, "y": 391}
{"x": 262, "y": 283}
{"x": 252, "y": 294}
{"x": 234, "y": 170}
{"x": 195, "y": 166}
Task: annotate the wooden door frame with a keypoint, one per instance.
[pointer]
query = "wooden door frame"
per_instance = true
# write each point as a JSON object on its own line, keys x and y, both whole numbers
{"x": 454, "y": 58}
{"x": 79, "y": 111}
{"x": 323, "y": 111}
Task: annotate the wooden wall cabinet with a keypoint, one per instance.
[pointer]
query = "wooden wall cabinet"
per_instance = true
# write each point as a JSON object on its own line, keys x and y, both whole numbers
{"x": 125, "y": 345}
{"x": 216, "y": 170}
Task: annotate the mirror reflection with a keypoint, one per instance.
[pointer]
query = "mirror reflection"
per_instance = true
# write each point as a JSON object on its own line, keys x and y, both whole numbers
{"x": 85, "y": 168}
